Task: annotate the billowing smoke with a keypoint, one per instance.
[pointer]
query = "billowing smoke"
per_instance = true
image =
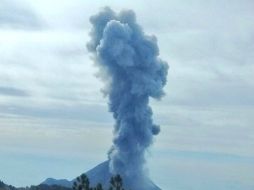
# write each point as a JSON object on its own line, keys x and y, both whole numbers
{"x": 133, "y": 72}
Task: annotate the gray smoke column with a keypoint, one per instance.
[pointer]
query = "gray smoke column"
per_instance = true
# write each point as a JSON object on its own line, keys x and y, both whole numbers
{"x": 132, "y": 72}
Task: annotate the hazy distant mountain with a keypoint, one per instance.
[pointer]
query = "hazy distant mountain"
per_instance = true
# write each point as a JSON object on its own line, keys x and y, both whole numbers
{"x": 62, "y": 182}
{"x": 4, "y": 186}
{"x": 100, "y": 174}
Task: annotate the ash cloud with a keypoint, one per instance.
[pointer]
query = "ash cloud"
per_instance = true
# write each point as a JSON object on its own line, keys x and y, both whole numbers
{"x": 132, "y": 71}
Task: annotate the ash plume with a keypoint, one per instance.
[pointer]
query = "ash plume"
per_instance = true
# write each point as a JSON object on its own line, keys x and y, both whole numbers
{"x": 132, "y": 71}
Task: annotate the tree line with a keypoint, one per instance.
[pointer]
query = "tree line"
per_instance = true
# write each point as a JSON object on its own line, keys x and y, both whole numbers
{"x": 82, "y": 183}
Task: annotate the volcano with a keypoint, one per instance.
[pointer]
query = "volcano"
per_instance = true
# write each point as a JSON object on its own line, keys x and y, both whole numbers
{"x": 101, "y": 174}
{"x": 129, "y": 65}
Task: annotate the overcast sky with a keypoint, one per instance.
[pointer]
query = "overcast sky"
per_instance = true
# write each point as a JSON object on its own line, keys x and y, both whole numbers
{"x": 54, "y": 121}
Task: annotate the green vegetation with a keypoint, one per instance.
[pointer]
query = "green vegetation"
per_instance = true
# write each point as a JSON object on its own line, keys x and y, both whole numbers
{"x": 82, "y": 183}
{"x": 4, "y": 186}
{"x": 116, "y": 183}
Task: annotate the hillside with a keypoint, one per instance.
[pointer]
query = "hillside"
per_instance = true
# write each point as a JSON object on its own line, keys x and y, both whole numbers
{"x": 101, "y": 174}
{"x": 4, "y": 186}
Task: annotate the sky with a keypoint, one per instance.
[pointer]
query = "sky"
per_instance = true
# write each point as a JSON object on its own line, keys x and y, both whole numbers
{"x": 54, "y": 120}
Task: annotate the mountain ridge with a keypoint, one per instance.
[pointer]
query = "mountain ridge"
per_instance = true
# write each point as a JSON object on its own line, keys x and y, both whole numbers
{"x": 101, "y": 174}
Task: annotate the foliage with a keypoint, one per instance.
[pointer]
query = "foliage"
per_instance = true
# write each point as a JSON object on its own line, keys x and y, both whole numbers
{"x": 81, "y": 183}
{"x": 116, "y": 183}
{"x": 51, "y": 187}
{"x": 2, "y": 185}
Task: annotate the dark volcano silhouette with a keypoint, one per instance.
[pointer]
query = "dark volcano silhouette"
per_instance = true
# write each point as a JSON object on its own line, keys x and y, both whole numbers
{"x": 101, "y": 174}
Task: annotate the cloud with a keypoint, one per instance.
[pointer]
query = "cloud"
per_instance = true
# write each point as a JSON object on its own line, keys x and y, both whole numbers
{"x": 209, "y": 97}
{"x": 83, "y": 112}
{"x": 197, "y": 170}
{"x": 211, "y": 65}
{"x": 31, "y": 147}
{"x": 18, "y": 15}
{"x": 11, "y": 91}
